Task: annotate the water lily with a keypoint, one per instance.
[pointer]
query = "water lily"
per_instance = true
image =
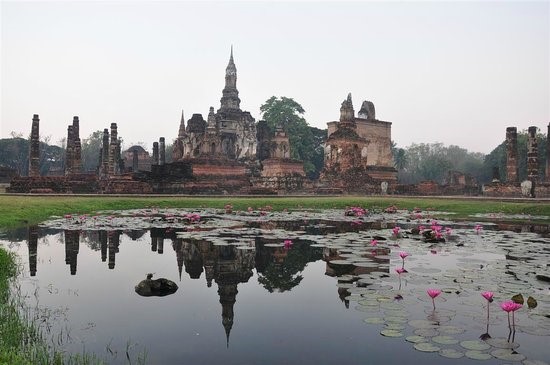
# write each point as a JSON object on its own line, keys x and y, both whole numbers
{"x": 433, "y": 293}
{"x": 478, "y": 228}
{"x": 374, "y": 242}
{"x": 396, "y": 230}
{"x": 287, "y": 243}
{"x": 510, "y": 306}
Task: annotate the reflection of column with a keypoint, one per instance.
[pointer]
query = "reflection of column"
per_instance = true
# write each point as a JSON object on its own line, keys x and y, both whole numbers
{"x": 192, "y": 259}
{"x": 160, "y": 245}
{"x": 103, "y": 241}
{"x": 33, "y": 248}
{"x": 114, "y": 241}
{"x": 177, "y": 246}
{"x": 153, "y": 241}
{"x": 72, "y": 243}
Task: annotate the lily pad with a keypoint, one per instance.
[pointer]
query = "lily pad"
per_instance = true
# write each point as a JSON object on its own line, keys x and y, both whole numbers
{"x": 426, "y": 347}
{"x": 374, "y": 320}
{"x": 478, "y": 355}
{"x": 508, "y": 355}
{"x": 475, "y": 345}
{"x": 415, "y": 339}
{"x": 444, "y": 340}
{"x": 391, "y": 333}
{"x": 451, "y": 353}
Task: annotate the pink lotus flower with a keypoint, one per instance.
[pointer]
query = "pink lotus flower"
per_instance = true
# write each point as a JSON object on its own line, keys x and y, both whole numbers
{"x": 403, "y": 254}
{"x": 488, "y": 295}
{"x": 288, "y": 243}
{"x": 478, "y": 228}
{"x": 433, "y": 293}
{"x": 448, "y": 231}
{"x": 68, "y": 216}
{"x": 421, "y": 228}
{"x": 510, "y": 306}
{"x": 400, "y": 270}
{"x": 374, "y": 242}
{"x": 396, "y": 230}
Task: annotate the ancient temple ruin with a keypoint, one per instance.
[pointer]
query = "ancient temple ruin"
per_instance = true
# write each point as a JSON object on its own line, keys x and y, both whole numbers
{"x": 535, "y": 184}
{"x": 228, "y": 133}
{"x": 358, "y": 155}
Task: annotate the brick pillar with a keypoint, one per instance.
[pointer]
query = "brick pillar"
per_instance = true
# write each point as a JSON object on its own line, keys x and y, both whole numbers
{"x": 162, "y": 151}
{"x": 77, "y": 146}
{"x": 104, "y": 168}
{"x": 69, "y": 152}
{"x": 155, "y": 153}
{"x": 532, "y": 155}
{"x": 548, "y": 154}
{"x": 34, "y": 148}
{"x": 135, "y": 161}
{"x": 112, "y": 150}
{"x": 511, "y": 154}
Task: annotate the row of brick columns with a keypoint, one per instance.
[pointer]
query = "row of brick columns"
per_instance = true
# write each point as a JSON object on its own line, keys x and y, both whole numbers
{"x": 532, "y": 155}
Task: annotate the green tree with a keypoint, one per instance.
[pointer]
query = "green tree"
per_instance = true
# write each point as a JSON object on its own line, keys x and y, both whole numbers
{"x": 305, "y": 141}
{"x": 91, "y": 147}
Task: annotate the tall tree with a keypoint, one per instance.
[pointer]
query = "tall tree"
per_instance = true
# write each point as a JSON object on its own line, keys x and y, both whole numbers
{"x": 305, "y": 141}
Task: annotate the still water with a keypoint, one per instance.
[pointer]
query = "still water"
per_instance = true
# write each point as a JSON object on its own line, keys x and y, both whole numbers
{"x": 246, "y": 298}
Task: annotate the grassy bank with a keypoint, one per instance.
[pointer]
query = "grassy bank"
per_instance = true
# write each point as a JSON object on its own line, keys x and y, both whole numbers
{"x": 22, "y": 210}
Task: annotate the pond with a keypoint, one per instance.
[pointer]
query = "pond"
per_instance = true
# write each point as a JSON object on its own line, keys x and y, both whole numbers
{"x": 301, "y": 287}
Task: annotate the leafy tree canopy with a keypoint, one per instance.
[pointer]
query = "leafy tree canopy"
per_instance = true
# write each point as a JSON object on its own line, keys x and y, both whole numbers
{"x": 305, "y": 141}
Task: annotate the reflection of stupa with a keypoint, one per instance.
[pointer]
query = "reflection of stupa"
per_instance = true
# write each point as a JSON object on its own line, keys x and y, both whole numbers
{"x": 114, "y": 243}
{"x": 226, "y": 265}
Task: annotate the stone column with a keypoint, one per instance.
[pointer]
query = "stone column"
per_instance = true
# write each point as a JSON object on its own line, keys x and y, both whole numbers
{"x": 548, "y": 154}
{"x": 69, "y": 152}
{"x": 155, "y": 153}
{"x": 34, "y": 149}
{"x": 162, "y": 151}
{"x": 532, "y": 155}
{"x": 511, "y": 154}
{"x": 112, "y": 150}
{"x": 77, "y": 147}
{"x": 135, "y": 161}
{"x": 104, "y": 168}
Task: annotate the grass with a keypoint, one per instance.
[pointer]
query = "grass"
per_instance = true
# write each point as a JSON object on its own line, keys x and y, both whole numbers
{"x": 24, "y": 210}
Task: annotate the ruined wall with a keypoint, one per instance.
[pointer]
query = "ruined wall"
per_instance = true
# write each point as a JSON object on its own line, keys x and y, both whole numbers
{"x": 378, "y": 136}
{"x": 73, "y": 184}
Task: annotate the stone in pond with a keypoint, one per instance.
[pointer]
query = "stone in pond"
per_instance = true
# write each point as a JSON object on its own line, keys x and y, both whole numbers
{"x": 155, "y": 288}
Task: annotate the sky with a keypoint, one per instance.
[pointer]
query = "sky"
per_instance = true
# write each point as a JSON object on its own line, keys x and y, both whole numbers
{"x": 458, "y": 73}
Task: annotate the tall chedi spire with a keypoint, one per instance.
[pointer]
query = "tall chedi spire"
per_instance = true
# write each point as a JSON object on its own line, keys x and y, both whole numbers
{"x": 230, "y": 98}
{"x": 181, "y": 131}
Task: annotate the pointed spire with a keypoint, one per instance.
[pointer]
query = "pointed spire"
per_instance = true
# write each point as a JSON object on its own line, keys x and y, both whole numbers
{"x": 231, "y": 64}
{"x": 231, "y": 57}
{"x": 181, "y": 131}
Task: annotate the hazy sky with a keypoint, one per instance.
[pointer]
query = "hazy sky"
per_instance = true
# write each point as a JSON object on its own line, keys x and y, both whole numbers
{"x": 452, "y": 72}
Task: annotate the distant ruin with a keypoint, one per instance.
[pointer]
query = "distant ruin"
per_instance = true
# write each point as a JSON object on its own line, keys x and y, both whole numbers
{"x": 535, "y": 185}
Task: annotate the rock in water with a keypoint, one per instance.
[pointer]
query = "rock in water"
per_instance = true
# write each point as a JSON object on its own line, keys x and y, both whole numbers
{"x": 156, "y": 287}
